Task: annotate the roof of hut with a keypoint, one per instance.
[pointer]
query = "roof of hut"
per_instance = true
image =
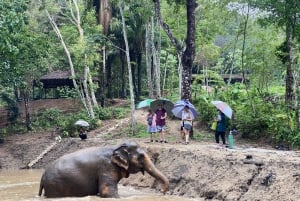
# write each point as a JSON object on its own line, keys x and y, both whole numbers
{"x": 57, "y": 79}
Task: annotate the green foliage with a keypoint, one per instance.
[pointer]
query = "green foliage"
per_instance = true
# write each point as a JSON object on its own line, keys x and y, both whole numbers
{"x": 141, "y": 132}
{"x": 111, "y": 113}
{"x": 66, "y": 92}
{"x": 12, "y": 105}
{"x": 207, "y": 111}
{"x": 208, "y": 76}
{"x": 49, "y": 118}
{"x": 264, "y": 117}
{"x": 16, "y": 127}
{"x": 55, "y": 118}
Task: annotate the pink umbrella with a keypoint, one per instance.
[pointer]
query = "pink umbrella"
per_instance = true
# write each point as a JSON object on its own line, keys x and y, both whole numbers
{"x": 223, "y": 107}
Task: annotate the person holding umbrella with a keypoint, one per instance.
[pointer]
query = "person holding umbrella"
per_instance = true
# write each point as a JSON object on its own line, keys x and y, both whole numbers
{"x": 187, "y": 122}
{"x": 82, "y": 129}
{"x": 161, "y": 115}
{"x": 224, "y": 110}
{"x": 83, "y": 133}
{"x": 183, "y": 109}
{"x": 221, "y": 127}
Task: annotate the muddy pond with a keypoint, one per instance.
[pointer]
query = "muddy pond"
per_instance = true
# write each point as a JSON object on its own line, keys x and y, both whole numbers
{"x": 23, "y": 185}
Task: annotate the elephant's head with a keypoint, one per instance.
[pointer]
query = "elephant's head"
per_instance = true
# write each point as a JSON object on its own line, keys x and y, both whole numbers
{"x": 134, "y": 159}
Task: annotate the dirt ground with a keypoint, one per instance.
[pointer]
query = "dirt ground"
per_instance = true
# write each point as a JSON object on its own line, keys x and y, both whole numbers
{"x": 201, "y": 169}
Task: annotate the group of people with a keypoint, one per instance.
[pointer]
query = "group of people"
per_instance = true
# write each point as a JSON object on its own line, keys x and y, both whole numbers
{"x": 157, "y": 124}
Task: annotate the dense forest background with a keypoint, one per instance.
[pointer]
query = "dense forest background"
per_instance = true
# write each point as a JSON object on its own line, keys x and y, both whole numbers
{"x": 244, "y": 52}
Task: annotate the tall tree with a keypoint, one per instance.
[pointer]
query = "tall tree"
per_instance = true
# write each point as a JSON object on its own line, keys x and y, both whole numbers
{"x": 186, "y": 54}
{"x": 104, "y": 18}
{"x": 133, "y": 121}
{"x": 284, "y": 14}
{"x": 72, "y": 14}
{"x": 21, "y": 51}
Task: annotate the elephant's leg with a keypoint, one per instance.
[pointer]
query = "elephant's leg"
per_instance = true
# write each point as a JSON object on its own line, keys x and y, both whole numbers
{"x": 108, "y": 188}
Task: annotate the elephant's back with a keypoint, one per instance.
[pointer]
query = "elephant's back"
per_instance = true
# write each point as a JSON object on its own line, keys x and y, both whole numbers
{"x": 91, "y": 151}
{"x": 83, "y": 156}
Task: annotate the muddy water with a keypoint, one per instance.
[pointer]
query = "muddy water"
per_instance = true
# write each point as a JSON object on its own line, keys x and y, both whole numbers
{"x": 23, "y": 185}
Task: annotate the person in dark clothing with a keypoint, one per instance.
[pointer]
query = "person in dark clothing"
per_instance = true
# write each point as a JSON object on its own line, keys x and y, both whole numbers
{"x": 161, "y": 115}
{"x": 83, "y": 133}
{"x": 221, "y": 127}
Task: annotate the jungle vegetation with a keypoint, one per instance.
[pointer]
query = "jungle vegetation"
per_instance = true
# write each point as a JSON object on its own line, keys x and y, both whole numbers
{"x": 243, "y": 52}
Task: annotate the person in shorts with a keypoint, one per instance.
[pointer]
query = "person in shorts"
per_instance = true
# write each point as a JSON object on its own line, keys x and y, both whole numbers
{"x": 187, "y": 122}
{"x": 151, "y": 125}
{"x": 161, "y": 115}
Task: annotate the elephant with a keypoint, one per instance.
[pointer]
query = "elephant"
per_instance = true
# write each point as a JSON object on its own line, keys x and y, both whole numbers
{"x": 97, "y": 171}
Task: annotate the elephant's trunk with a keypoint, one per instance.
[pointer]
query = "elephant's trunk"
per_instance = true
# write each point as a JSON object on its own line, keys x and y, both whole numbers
{"x": 154, "y": 172}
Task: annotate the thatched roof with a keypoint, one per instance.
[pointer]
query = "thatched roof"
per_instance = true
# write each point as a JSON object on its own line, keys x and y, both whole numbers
{"x": 234, "y": 78}
{"x": 57, "y": 79}
{"x": 56, "y": 75}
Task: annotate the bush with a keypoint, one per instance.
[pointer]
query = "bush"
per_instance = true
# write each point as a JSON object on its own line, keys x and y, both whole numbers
{"x": 111, "y": 113}
{"x": 267, "y": 118}
{"x": 55, "y": 118}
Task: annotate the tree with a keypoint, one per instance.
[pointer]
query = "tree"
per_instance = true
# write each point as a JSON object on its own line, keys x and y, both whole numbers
{"x": 186, "y": 54}
{"x": 133, "y": 122}
{"x": 21, "y": 51}
{"x": 70, "y": 10}
{"x": 284, "y": 14}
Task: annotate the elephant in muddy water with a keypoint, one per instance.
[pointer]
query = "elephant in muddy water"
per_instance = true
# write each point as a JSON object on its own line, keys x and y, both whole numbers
{"x": 97, "y": 171}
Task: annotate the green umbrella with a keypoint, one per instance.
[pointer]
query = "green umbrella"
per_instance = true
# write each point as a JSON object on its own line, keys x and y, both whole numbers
{"x": 144, "y": 103}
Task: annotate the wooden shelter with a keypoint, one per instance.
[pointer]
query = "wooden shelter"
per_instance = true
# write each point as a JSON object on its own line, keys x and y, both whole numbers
{"x": 234, "y": 78}
{"x": 47, "y": 84}
{"x": 57, "y": 79}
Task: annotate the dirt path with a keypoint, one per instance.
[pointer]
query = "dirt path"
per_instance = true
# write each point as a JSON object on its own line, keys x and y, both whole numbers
{"x": 201, "y": 169}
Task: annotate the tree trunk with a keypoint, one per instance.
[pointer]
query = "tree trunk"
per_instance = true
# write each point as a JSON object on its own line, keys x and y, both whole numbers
{"x": 243, "y": 63}
{"x": 233, "y": 58}
{"x": 26, "y": 106}
{"x": 298, "y": 98}
{"x": 155, "y": 60}
{"x": 186, "y": 57}
{"x": 189, "y": 53}
{"x": 108, "y": 77}
{"x": 86, "y": 92}
{"x": 148, "y": 62}
{"x": 104, "y": 18}
{"x": 57, "y": 31}
{"x": 165, "y": 75}
{"x": 139, "y": 74}
{"x": 179, "y": 56}
{"x": 133, "y": 121}
{"x": 289, "y": 91}
{"x": 105, "y": 14}
{"x": 123, "y": 87}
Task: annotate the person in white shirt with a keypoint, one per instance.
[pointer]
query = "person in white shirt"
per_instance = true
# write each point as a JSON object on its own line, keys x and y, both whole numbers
{"x": 187, "y": 122}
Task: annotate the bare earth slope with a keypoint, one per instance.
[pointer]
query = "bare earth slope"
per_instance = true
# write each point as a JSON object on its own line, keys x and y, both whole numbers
{"x": 200, "y": 170}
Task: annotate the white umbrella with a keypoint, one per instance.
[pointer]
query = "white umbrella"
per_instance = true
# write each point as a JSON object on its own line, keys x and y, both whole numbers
{"x": 82, "y": 123}
{"x": 223, "y": 107}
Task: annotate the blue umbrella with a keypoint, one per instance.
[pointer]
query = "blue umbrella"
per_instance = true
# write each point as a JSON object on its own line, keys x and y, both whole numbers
{"x": 179, "y": 107}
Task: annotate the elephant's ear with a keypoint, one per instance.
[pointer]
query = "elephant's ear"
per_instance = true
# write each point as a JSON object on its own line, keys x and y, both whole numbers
{"x": 120, "y": 157}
